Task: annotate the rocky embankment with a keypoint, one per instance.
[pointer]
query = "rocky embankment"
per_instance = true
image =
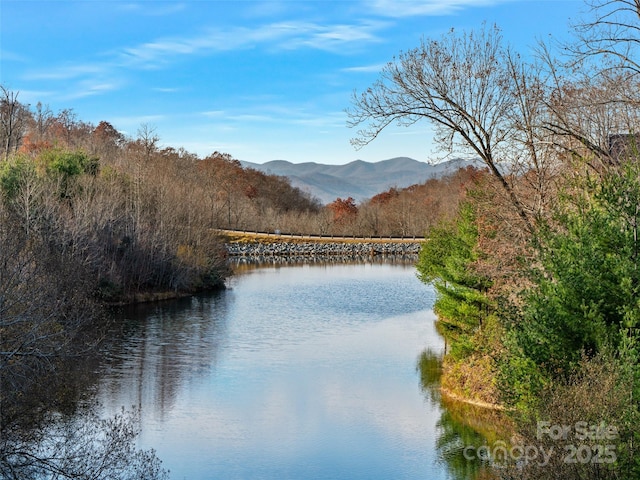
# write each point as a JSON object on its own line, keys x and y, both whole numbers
{"x": 322, "y": 248}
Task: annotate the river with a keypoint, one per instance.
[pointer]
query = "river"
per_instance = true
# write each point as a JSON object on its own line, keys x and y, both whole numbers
{"x": 293, "y": 372}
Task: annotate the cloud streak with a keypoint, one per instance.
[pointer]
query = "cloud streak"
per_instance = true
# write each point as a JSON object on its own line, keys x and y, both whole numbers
{"x": 412, "y": 8}
{"x": 89, "y": 77}
{"x": 275, "y": 36}
{"x": 343, "y": 38}
{"x": 375, "y": 68}
{"x": 89, "y": 88}
{"x": 152, "y": 9}
{"x": 8, "y": 56}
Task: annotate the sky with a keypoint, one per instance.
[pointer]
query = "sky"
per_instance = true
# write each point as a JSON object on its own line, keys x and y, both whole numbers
{"x": 259, "y": 80}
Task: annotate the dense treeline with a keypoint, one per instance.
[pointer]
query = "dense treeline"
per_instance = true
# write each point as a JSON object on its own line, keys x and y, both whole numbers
{"x": 128, "y": 217}
{"x": 403, "y": 212}
{"x": 136, "y": 216}
{"x": 537, "y": 276}
{"x": 182, "y": 190}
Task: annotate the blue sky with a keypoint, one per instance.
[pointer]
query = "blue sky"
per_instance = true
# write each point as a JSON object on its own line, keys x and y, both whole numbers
{"x": 260, "y": 80}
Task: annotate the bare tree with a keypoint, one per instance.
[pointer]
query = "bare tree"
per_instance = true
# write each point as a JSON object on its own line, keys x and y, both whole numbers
{"x": 25, "y": 200}
{"x": 532, "y": 154}
{"x": 65, "y": 123}
{"x": 13, "y": 117}
{"x": 40, "y": 317}
{"x": 593, "y": 99}
{"x": 148, "y": 140}
{"x": 612, "y": 35}
{"x": 42, "y": 119}
{"x": 586, "y": 113}
{"x": 463, "y": 85}
{"x": 106, "y": 141}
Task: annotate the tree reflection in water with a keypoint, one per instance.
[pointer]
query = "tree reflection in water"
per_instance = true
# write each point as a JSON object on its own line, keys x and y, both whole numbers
{"x": 51, "y": 429}
{"x": 79, "y": 446}
{"x": 161, "y": 347}
{"x": 455, "y": 430}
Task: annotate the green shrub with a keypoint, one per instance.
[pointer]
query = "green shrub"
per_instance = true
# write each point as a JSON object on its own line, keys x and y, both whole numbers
{"x": 446, "y": 261}
{"x": 14, "y": 173}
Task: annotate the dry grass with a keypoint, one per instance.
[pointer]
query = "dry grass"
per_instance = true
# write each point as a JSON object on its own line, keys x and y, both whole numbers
{"x": 251, "y": 237}
{"x": 472, "y": 380}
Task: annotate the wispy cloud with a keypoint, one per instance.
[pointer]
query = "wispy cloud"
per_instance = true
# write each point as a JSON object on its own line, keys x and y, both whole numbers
{"x": 155, "y": 9}
{"x": 412, "y": 8}
{"x": 251, "y": 117}
{"x": 280, "y": 114}
{"x": 89, "y": 88}
{"x": 131, "y": 123}
{"x": 270, "y": 8}
{"x": 213, "y": 113}
{"x": 94, "y": 77}
{"x": 8, "y": 56}
{"x": 375, "y": 68}
{"x": 166, "y": 89}
{"x": 274, "y": 36}
{"x": 328, "y": 120}
{"x": 334, "y": 37}
{"x": 67, "y": 71}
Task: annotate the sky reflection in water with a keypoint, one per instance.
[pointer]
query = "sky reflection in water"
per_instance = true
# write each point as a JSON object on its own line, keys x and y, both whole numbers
{"x": 302, "y": 372}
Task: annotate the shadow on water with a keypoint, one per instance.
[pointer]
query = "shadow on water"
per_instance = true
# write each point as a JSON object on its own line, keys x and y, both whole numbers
{"x": 179, "y": 341}
{"x": 464, "y": 431}
{"x": 51, "y": 425}
{"x": 165, "y": 344}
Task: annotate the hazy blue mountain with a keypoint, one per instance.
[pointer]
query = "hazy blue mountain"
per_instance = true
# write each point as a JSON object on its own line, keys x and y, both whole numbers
{"x": 358, "y": 179}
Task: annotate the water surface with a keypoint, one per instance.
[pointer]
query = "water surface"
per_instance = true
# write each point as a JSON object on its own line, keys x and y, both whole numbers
{"x": 300, "y": 372}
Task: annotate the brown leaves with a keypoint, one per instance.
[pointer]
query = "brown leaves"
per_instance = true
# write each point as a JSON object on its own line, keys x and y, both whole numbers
{"x": 343, "y": 211}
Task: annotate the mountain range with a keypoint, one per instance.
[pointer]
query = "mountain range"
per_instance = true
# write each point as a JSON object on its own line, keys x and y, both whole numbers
{"x": 358, "y": 179}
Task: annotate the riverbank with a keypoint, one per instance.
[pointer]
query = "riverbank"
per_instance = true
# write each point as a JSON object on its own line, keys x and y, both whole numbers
{"x": 160, "y": 296}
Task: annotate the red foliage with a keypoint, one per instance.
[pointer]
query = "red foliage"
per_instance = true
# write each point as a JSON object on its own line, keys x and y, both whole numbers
{"x": 250, "y": 192}
{"x": 106, "y": 132}
{"x": 33, "y": 147}
{"x": 343, "y": 210}
{"x": 385, "y": 197}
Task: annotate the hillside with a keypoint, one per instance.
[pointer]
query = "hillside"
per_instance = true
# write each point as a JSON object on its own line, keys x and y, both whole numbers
{"x": 358, "y": 179}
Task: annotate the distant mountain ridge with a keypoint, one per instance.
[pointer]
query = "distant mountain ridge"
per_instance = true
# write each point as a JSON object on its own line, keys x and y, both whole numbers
{"x": 358, "y": 179}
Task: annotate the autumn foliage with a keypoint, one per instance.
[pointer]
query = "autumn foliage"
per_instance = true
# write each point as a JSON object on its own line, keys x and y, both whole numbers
{"x": 344, "y": 211}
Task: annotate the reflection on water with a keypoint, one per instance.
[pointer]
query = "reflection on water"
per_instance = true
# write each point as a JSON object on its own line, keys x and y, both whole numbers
{"x": 459, "y": 425}
{"x": 160, "y": 347}
{"x": 242, "y": 265}
{"x": 301, "y": 371}
{"x": 454, "y": 437}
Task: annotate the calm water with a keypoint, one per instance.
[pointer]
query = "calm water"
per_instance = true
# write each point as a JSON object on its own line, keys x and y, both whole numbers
{"x": 298, "y": 372}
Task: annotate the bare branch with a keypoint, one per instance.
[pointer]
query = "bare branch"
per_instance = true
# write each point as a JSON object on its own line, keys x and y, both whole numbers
{"x": 462, "y": 85}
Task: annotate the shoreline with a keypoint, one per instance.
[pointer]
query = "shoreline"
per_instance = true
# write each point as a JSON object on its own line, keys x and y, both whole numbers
{"x": 160, "y": 296}
{"x": 469, "y": 401}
